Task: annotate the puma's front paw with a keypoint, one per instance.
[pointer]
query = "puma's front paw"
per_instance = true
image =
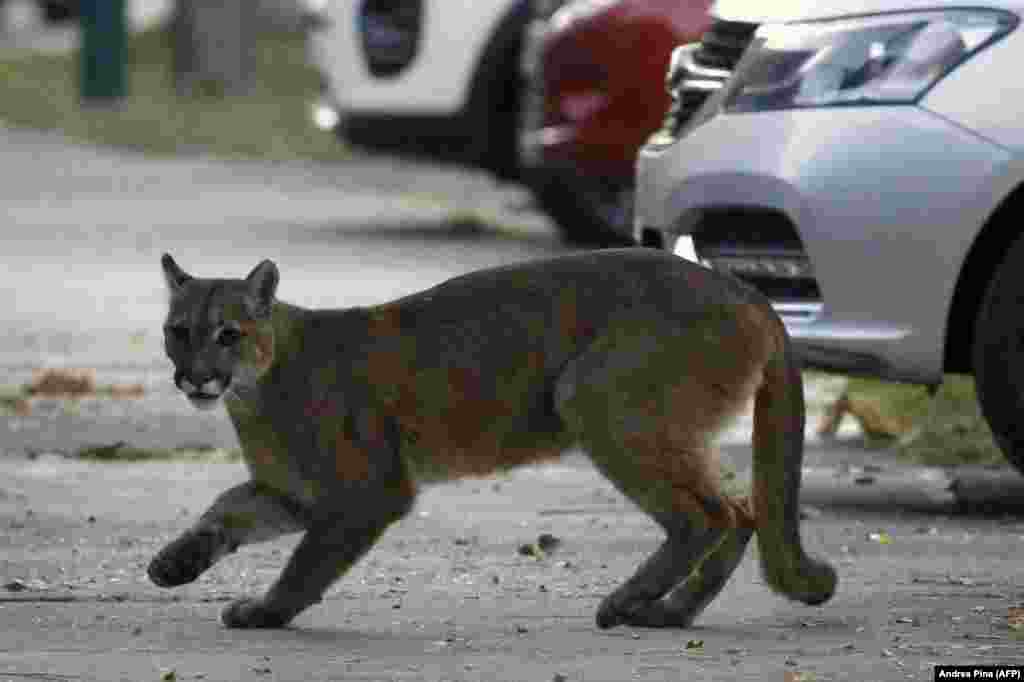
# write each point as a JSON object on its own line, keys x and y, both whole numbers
{"x": 252, "y": 613}
{"x": 186, "y": 558}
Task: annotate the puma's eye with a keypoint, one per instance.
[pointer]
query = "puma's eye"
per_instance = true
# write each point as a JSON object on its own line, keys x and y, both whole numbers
{"x": 229, "y": 336}
{"x": 178, "y": 332}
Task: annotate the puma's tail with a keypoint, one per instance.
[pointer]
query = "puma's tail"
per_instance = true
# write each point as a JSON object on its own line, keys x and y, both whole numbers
{"x": 778, "y": 459}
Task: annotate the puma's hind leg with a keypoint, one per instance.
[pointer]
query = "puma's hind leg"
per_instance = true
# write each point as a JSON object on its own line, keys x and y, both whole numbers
{"x": 701, "y": 549}
{"x": 645, "y": 411}
{"x": 689, "y": 599}
{"x": 639, "y": 601}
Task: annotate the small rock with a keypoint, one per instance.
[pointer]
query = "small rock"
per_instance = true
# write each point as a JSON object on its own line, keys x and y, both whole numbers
{"x": 559, "y": 677}
{"x": 91, "y": 519}
{"x": 808, "y": 512}
{"x": 547, "y": 542}
{"x": 137, "y": 630}
{"x": 168, "y": 676}
{"x": 521, "y": 629}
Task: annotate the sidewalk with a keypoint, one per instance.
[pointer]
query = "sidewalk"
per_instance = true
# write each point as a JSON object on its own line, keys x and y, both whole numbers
{"x": 446, "y": 596}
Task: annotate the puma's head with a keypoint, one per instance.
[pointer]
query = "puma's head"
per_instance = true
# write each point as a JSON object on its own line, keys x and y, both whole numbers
{"x": 218, "y": 332}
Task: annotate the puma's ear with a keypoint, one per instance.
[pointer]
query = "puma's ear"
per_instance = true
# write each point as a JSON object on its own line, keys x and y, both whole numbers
{"x": 262, "y": 283}
{"x": 175, "y": 276}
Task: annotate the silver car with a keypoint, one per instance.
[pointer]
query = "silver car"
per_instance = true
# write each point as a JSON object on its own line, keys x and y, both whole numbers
{"x": 859, "y": 161}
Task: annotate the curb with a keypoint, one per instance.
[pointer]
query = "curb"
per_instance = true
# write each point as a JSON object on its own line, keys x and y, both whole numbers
{"x": 930, "y": 489}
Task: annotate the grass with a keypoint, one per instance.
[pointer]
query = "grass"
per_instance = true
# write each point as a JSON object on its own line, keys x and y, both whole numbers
{"x": 948, "y": 429}
{"x": 41, "y": 91}
{"x": 124, "y": 452}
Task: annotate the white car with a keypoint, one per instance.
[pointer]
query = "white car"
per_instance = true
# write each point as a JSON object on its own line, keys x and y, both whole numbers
{"x": 860, "y": 161}
{"x": 435, "y": 77}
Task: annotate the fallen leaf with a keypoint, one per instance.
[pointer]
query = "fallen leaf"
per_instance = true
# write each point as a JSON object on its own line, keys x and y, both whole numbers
{"x": 530, "y": 549}
{"x": 61, "y": 382}
{"x": 793, "y": 676}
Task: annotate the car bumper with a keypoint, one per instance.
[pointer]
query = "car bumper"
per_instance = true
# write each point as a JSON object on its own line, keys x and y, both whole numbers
{"x": 885, "y": 200}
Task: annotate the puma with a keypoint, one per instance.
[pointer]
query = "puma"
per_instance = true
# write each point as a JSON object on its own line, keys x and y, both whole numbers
{"x": 635, "y": 355}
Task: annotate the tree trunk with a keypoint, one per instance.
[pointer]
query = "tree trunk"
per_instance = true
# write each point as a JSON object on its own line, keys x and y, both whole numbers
{"x": 213, "y": 47}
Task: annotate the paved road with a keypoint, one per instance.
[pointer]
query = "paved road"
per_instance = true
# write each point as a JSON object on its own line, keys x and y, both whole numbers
{"x": 446, "y": 596}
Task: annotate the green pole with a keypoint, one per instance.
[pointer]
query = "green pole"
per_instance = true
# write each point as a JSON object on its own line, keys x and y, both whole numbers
{"x": 103, "y": 51}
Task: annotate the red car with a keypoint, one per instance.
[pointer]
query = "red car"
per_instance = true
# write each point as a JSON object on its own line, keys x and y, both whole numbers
{"x": 595, "y": 72}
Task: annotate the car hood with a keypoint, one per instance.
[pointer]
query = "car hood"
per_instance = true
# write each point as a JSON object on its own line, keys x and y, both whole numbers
{"x": 779, "y": 11}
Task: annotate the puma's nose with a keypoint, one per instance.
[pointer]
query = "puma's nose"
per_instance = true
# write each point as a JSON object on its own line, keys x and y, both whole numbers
{"x": 195, "y": 384}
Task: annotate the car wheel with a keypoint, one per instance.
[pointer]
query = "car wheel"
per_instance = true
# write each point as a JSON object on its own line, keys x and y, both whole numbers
{"x": 998, "y": 355}
{"x": 587, "y": 211}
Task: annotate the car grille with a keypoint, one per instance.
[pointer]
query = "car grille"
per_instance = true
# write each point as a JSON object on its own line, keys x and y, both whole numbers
{"x": 761, "y": 248}
{"x": 702, "y": 68}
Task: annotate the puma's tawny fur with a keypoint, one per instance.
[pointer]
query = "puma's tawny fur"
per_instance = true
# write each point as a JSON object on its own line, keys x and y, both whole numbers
{"x": 636, "y": 355}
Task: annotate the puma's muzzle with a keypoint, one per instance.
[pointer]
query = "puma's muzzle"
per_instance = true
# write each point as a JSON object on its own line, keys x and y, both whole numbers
{"x": 202, "y": 395}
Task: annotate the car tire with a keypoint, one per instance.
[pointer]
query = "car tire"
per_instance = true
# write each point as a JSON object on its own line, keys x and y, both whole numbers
{"x": 586, "y": 212}
{"x": 998, "y": 355}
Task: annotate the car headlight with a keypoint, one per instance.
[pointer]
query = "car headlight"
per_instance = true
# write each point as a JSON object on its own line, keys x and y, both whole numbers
{"x": 885, "y": 59}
